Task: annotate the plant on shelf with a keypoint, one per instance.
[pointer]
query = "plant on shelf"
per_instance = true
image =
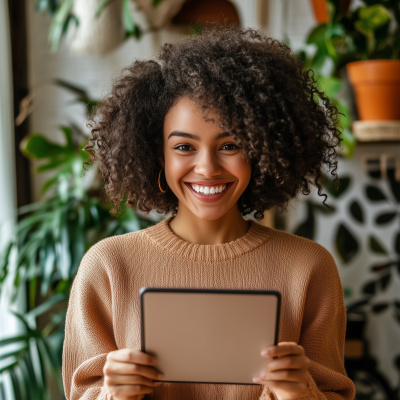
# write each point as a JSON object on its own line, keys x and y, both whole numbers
{"x": 52, "y": 237}
{"x": 368, "y": 32}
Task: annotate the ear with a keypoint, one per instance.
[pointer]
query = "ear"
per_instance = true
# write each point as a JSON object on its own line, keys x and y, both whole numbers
{"x": 162, "y": 161}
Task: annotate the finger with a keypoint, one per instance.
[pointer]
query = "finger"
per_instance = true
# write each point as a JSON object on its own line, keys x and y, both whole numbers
{"x": 294, "y": 388}
{"x": 291, "y": 375}
{"x": 125, "y": 391}
{"x": 114, "y": 380}
{"x": 288, "y": 362}
{"x": 283, "y": 349}
{"x": 121, "y": 368}
{"x": 132, "y": 355}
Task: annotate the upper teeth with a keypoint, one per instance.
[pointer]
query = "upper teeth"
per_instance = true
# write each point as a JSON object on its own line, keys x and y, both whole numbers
{"x": 208, "y": 190}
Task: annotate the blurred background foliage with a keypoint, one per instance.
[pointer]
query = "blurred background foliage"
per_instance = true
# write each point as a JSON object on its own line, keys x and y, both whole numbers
{"x": 52, "y": 237}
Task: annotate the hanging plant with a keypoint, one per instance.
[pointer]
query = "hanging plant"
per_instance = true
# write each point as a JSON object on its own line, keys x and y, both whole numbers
{"x": 99, "y": 26}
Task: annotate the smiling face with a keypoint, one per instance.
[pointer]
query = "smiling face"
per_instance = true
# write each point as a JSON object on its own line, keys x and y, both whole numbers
{"x": 203, "y": 165}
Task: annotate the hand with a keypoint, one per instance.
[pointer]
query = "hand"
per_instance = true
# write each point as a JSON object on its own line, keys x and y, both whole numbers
{"x": 287, "y": 371}
{"x": 128, "y": 374}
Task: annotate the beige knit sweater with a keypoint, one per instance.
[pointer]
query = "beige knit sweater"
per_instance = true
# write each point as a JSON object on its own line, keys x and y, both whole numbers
{"x": 103, "y": 310}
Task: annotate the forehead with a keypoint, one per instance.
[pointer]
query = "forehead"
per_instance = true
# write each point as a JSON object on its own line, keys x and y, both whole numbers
{"x": 187, "y": 116}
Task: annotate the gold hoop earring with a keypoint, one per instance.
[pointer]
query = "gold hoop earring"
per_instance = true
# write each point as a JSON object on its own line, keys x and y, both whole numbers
{"x": 159, "y": 184}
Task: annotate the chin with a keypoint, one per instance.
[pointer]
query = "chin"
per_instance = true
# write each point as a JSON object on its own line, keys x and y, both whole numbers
{"x": 209, "y": 215}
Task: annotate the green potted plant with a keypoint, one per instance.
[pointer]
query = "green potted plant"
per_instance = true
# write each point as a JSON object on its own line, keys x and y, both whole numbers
{"x": 52, "y": 237}
{"x": 375, "y": 73}
{"x": 369, "y": 32}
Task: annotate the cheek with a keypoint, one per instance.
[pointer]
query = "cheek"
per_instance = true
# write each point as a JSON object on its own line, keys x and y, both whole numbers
{"x": 176, "y": 168}
{"x": 241, "y": 168}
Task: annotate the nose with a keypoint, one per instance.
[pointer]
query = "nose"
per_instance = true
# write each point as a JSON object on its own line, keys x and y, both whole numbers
{"x": 207, "y": 164}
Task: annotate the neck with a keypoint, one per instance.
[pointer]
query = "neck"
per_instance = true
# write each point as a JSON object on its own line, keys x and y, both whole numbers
{"x": 193, "y": 229}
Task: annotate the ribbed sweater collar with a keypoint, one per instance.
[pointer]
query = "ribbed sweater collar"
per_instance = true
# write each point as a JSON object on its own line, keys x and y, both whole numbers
{"x": 162, "y": 235}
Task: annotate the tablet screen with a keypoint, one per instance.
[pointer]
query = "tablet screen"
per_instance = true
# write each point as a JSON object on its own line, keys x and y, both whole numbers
{"x": 208, "y": 335}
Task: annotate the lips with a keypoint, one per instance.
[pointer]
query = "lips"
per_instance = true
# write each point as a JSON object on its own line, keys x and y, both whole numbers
{"x": 209, "y": 198}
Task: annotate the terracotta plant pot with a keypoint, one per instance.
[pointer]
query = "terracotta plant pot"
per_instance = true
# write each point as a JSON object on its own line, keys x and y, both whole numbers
{"x": 320, "y": 8}
{"x": 376, "y": 86}
{"x": 204, "y": 11}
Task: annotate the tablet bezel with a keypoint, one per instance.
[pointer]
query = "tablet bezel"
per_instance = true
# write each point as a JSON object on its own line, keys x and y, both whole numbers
{"x": 145, "y": 290}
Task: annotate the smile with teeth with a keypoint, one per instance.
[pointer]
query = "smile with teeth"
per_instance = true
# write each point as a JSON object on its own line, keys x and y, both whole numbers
{"x": 208, "y": 190}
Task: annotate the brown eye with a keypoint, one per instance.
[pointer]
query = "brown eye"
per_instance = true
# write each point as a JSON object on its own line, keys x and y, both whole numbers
{"x": 184, "y": 147}
{"x": 229, "y": 147}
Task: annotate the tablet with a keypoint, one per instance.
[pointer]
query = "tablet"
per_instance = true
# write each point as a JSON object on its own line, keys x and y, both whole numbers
{"x": 208, "y": 335}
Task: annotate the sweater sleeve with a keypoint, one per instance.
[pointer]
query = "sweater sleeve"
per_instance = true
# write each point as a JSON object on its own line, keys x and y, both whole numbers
{"x": 89, "y": 333}
{"x": 323, "y": 334}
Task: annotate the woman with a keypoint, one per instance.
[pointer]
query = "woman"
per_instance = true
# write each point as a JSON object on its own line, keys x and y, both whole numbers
{"x": 218, "y": 126}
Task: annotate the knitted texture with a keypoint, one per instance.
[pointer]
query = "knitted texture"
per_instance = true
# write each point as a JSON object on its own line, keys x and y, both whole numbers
{"x": 103, "y": 311}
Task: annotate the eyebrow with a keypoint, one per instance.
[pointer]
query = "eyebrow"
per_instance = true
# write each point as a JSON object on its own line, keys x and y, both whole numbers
{"x": 195, "y": 137}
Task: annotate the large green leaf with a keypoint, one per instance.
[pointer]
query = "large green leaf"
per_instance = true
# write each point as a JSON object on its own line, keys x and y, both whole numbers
{"x": 58, "y": 22}
{"x": 14, "y": 353}
{"x": 371, "y": 18}
{"x": 317, "y": 37}
{"x": 334, "y": 33}
{"x": 43, "y": 378}
{"x": 344, "y": 116}
{"x": 77, "y": 90}
{"x": 55, "y": 367}
{"x": 68, "y": 136}
{"x": 18, "y": 393}
{"x": 131, "y": 28}
{"x": 37, "y": 146}
{"x": 19, "y": 338}
{"x": 329, "y": 85}
{"x": 32, "y": 381}
{"x": 55, "y": 320}
{"x": 102, "y": 6}
{"x": 47, "y": 305}
{"x": 47, "y": 264}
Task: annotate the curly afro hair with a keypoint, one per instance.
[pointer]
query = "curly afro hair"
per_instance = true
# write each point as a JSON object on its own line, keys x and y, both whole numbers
{"x": 285, "y": 125}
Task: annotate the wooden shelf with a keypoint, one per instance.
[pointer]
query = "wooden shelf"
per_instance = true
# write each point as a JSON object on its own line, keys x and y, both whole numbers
{"x": 377, "y": 131}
